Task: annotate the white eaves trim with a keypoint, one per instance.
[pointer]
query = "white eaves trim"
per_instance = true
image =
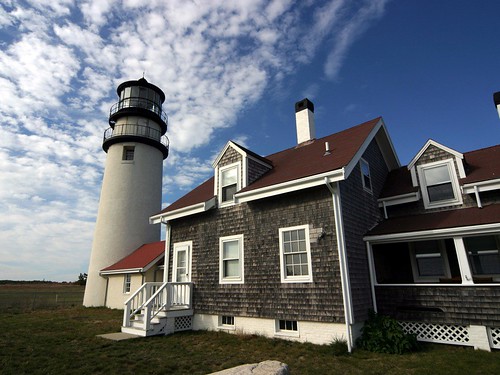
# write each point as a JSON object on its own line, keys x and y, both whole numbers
{"x": 183, "y": 212}
{"x": 434, "y": 233}
{"x": 399, "y": 199}
{"x": 435, "y": 144}
{"x": 388, "y": 148}
{"x": 290, "y": 186}
{"x": 133, "y": 270}
{"x": 481, "y": 186}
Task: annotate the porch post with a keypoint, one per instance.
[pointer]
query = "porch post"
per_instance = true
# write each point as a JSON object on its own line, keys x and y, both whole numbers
{"x": 463, "y": 262}
{"x": 373, "y": 279}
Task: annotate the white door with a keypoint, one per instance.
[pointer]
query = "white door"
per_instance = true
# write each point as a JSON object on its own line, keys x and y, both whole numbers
{"x": 182, "y": 262}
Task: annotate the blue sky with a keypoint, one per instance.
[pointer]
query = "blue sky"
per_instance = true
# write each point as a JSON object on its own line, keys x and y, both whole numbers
{"x": 230, "y": 70}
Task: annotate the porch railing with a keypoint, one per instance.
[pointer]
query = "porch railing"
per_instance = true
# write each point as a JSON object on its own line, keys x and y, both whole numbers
{"x": 152, "y": 298}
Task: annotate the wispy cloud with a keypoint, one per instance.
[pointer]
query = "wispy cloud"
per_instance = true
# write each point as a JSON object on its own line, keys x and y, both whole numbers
{"x": 60, "y": 63}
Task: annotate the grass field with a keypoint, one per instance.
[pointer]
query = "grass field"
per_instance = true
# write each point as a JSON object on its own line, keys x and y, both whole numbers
{"x": 59, "y": 340}
{"x": 22, "y": 297}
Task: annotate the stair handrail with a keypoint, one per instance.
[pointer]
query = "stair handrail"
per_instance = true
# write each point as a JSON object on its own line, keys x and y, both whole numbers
{"x": 136, "y": 302}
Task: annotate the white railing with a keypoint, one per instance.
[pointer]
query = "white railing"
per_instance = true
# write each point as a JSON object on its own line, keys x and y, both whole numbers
{"x": 152, "y": 298}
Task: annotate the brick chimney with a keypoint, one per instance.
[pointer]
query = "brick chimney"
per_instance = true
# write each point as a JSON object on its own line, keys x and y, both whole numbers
{"x": 304, "y": 119}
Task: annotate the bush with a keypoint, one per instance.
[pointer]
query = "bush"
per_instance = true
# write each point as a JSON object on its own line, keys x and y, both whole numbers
{"x": 382, "y": 334}
{"x": 339, "y": 346}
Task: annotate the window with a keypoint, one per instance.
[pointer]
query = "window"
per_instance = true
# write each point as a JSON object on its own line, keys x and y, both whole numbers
{"x": 228, "y": 184}
{"x": 365, "y": 175}
{"x": 483, "y": 255}
{"x": 128, "y": 153}
{"x": 287, "y": 327}
{"x": 231, "y": 260}
{"x": 126, "y": 283}
{"x": 295, "y": 254}
{"x": 226, "y": 320}
{"x": 439, "y": 184}
{"x": 429, "y": 261}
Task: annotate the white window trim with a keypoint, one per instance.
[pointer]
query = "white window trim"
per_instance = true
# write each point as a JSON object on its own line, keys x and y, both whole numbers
{"x": 236, "y": 165}
{"x": 296, "y": 279}
{"x": 189, "y": 245}
{"x": 446, "y": 266}
{"x": 234, "y": 280}
{"x": 366, "y": 188}
{"x": 284, "y": 332}
{"x": 454, "y": 183}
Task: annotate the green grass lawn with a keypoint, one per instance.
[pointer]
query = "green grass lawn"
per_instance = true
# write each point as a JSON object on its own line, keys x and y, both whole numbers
{"x": 64, "y": 341}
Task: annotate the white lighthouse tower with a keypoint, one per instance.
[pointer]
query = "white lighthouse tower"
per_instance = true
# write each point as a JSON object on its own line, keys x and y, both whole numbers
{"x": 131, "y": 192}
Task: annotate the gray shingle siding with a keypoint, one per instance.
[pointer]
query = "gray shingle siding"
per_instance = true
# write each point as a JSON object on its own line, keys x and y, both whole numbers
{"x": 440, "y": 304}
{"x": 263, "y": 294}
{"x": 360, "y": 213}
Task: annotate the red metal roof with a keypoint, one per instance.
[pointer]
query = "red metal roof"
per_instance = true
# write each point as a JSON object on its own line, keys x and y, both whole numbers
{"x": 304, "y": 160}
{"x": 140, "y": 258}
{"x": 439, "y": 220}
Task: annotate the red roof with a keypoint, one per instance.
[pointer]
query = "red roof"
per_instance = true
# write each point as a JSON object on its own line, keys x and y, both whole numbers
{"x": 439, "y": 220}
{"x": 482, "y": 165}
{"x": 304, "y": 160}
{"x": 140, "y": 258}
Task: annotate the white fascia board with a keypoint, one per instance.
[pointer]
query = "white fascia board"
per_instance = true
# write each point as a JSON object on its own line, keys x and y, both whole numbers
{"x": 182, "y": 212}
{"x": 354, "y": 161}
{"x": 430, "y": 142}
{"x": 399, "y": 199}
{"x": 121, "y": 272}
{"x": 434, "y": 233}
{"x": 487, "y": 185}
{"x": 290, "y": 186}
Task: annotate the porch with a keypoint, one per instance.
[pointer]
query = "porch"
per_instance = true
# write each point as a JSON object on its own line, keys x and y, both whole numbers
{"x": 159, "y": 309}
{"x": 443, "y": 289}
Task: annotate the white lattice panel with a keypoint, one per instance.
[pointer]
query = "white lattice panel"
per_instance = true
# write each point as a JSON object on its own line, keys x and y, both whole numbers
{"x": 494, "y": 333}
{"x": 183, "y": 323}
{"x": 438, "y": 333}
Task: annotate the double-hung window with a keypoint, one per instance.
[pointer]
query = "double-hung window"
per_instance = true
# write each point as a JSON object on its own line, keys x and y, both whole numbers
{"x": 228, "y": 181}
{"x": 295, "y": 254}
{"x": 483, "y": 253}
{"x": 439, "y": 184}
{"x": 231, "y": 267}
{"x": 127, "y": 280}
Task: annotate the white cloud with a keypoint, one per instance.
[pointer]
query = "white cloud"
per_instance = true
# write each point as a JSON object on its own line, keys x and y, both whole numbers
{"x": 60, "y": 63}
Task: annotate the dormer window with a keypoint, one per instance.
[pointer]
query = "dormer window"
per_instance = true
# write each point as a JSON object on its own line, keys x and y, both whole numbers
{"x": 228, "y": 183}
{"x": 439, "y": 184}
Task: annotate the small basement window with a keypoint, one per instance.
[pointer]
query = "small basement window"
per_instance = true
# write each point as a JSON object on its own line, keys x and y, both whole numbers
{"x": 287, "y": 327}
{"x": 227, "y": 321}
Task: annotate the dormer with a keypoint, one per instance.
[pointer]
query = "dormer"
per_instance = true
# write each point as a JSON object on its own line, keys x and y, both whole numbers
{"x": 436, "y": 170}
{"x": 234, "y": 169}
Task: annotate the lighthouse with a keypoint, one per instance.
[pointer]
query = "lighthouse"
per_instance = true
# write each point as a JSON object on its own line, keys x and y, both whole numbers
{"x": 131, "y": 191}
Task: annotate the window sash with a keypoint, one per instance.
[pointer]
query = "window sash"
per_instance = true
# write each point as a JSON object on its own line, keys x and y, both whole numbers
{"x": 483, "y": 253}
{"x": 231, "y": 259}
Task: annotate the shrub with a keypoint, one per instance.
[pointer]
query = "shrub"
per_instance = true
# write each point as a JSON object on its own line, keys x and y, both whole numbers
{"x": 383, "y": 334}
{"x": 339, "y": 346}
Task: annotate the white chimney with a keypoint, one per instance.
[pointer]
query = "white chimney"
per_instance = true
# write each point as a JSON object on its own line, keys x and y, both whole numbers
{"x": 304, "y": 119}
{"x": 496, "y": 99}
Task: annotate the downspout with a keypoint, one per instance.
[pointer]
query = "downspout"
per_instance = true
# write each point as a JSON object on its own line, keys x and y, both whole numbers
{"x": 344, "y": 271}
{"x": 167, "y": 250}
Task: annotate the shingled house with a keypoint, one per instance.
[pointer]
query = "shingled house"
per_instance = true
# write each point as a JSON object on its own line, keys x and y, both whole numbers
{"x": 301, "y": 244}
